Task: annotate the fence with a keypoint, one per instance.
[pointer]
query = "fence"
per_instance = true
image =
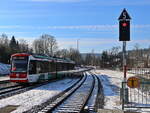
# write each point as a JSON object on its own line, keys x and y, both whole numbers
{"x": 142, "y": 72}
{"x": 136, "y": 97}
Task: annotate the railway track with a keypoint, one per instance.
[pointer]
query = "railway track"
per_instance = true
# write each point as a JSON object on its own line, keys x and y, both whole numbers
{"x": 9, "y": 89}
{"x": 17, "y": 89}
{"x": 72, "y": 100}
{"x": 96, "y": 100}
{"x": 13, "y": 90}
{"x": 7, "y": 85}
{"x": 57, "y": 98}
{"x": 4, "y": 82}
{"x": 76, "y": 102}
{"x": 91, "y": 104}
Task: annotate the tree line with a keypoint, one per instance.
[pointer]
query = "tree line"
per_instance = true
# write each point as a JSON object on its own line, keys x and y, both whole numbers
{"x": 136, "y": 58}
{"x": 47, "y": 45}
{"x": 9, "y": 47}
{"x": 44, "y": 45}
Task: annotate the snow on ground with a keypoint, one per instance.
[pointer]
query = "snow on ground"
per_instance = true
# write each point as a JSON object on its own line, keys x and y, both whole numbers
{"x": 111, "y": 81}
{"x": 4, "y": 68}
{"x": 36, "y": 96}
{"x": 2, "y": 78}
{"x": 92, "y": 100}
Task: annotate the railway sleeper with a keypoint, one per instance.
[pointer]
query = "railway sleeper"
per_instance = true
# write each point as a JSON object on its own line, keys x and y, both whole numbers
{"x": 73, "y": 106}
{"x": 73, "y": 103}
{"x": 67, "y": 111}
{"x": 70, "y": 110}
{"x": 47, "y": 108}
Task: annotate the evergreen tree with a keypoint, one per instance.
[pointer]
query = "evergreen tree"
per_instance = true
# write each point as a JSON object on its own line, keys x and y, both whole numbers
{"x": 105, "y": 59}
{"x": 88, "y": 59}
{"x": 14, "y": 45}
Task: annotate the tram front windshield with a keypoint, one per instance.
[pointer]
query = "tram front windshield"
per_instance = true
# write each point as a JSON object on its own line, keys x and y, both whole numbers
{"x": 19, "y": 64}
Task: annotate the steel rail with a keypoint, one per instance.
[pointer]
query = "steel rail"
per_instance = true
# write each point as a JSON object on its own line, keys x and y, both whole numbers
{"x": 20, "y": 89}
{"x": 91, "y": 104}
{"x": 100, "y": 95}
{"x": 77, "y": 98}
{"x": 4, "y": 81}
{"x": 8, "y": 87}
{"x": 13, "y": 88}
{"x": 54, "y": 101}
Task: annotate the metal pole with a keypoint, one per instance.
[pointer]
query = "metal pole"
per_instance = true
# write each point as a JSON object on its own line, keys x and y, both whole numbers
{"x": 78, "y": 51}
{"x": 124, "y": 60}
{"x": 56, "y": 68}
{"x": 123, "y": 95}
{"x": 125, "y": 89}
{"x": 78, "y": 44}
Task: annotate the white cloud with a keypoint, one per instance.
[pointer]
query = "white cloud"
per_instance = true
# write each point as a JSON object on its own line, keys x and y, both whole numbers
{"x": 85, "y": 42}
{"x": 98, "y": 2}
{"x": 10, "y": 27}
{"x": 141, "y": 26}
{"x": 17, "y": 27}
{"x": 57, "y": 1}
{"x": 122, "y": 2}
{"x": 76, "y": 27}
{"x": 98, "y": 43}
{"x": 88, "y": 27}
{"x": 144, "y": 41}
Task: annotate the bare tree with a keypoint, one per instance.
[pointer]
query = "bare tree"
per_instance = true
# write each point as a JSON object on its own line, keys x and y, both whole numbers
{"x": 137, "y": 55}
{"x": 46, "y": 44}
{"x": 4, "y": 40}
{"x": 38, "y": 46}
{"x": 88, "y": 59}
{"x": 64, "y": 53}
{"x": 75, "y": 55}
{"x": 50, "y": 44}
{"x": 4, "y": 49}
{"x": 23, "y": 45}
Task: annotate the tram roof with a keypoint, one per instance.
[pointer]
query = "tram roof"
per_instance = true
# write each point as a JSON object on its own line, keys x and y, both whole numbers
{"x": 57, "y": 59}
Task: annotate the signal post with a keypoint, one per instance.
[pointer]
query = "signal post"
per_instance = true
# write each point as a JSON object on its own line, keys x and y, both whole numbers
{"x": 124, "y": 36}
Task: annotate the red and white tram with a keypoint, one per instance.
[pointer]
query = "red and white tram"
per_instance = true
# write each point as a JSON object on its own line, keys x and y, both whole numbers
{"x": 28, "y": 68}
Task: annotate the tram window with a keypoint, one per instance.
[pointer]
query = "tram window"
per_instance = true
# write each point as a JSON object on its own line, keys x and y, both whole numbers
{"x": 45, "y": 67}
{"x": 52, "y": 66}
{"x": 32, "y": 67}
{"x": 49, "y": 66}
{"x": 19, "y": 64}
{"x": 39, "y": 67}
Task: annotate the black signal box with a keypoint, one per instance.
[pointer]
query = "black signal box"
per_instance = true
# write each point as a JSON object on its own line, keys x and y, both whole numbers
{"x": 124, "y": 26}
{"x": 124, "y": 30}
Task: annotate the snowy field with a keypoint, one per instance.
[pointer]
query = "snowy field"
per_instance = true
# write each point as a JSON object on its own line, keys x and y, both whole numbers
{"x": 27, "y": 100}
{"x": 2, "y": 78}
{"x": 111, "y": 81}
{"x": 4, "y": 68}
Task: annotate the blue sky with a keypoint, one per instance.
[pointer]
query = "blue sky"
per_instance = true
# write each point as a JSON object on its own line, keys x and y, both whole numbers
{"x": 93, "y": 22}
